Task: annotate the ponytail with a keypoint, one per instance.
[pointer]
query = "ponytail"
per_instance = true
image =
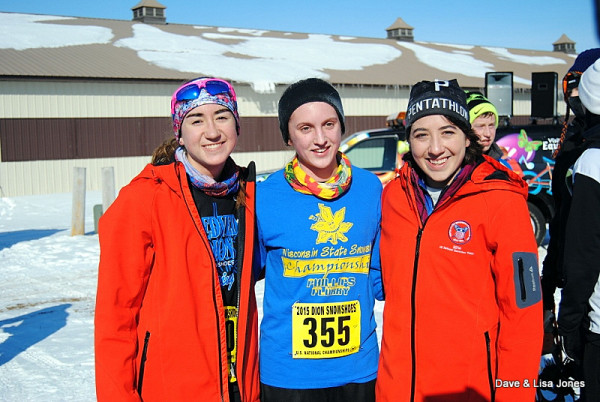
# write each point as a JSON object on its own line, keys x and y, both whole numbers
{"x": 240, "y": 201}
{"x": 563, "y": 133}
{"x": 165, "y": 152}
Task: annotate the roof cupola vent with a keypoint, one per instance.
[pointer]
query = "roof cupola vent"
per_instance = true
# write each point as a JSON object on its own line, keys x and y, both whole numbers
{"x": 150, "y": 12}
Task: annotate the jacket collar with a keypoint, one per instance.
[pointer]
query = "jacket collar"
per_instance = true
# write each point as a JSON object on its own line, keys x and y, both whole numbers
{"x": 487, "y": 174}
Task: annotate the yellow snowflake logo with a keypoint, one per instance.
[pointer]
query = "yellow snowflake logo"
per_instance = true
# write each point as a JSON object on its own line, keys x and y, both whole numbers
{"x": 329, "y": 226}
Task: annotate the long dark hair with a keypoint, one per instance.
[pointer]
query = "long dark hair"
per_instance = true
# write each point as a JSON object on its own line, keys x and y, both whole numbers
{"x": 473, "y": 151}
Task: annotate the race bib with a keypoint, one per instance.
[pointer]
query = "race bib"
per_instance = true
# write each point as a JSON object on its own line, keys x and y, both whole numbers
{"x": 325, "y": 330}
{"x": 231, "y": 318}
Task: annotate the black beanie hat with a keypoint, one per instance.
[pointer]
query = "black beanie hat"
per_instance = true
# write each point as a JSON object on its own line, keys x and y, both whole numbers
{"x": 305, "y": 91}
{"x": 437, "y": 97}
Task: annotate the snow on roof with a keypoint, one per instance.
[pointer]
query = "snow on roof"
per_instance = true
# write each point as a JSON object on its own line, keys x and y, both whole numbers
{"x": 40, "y": 45}
{"x": 24, "y": 31}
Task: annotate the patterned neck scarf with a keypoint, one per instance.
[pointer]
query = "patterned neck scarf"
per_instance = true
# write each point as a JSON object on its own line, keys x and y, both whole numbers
{"x": 206, "y": 183}
{"x": 327, "y": 190}
{"x": 425, "y": 204}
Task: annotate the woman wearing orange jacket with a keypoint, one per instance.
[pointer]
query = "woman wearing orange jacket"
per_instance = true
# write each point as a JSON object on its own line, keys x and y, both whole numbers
{"x": 463, "y": 317}
{"x": 176, "y": 316}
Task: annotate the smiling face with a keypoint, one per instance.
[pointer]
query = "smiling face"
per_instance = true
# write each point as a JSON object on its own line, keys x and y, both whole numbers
{"x": 438, "y": 148}
{"x": 316, "y": 134}
{"x": 209, "y": 135}
{"x": 485, "y": 128}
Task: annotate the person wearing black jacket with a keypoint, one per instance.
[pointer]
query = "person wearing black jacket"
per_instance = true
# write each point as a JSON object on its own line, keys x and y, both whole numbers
{"x": 569, "y": 149}
{"x": 579, "y": 311}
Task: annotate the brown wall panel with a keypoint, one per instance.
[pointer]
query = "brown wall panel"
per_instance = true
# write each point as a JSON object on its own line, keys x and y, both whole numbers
{"x": 259, "y": 134}
{"x": 50, "y": 139}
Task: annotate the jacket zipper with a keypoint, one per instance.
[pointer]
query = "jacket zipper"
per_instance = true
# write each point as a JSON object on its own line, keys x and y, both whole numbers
{"x": 216, "y": 305}
{"x": 241, "y": 247}
{"x": 413, "y": 300}
{"x": 489, "y": 366}
{"x": 214, "y": 268}
{"x": 522, "y": 279}
{"x": 143, "y": 363}
{"x": 240, "y": 263}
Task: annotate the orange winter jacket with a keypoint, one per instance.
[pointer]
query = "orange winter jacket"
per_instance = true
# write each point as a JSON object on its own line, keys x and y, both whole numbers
{"x": 159, "y": 320}
{"x": 463, "y": 316}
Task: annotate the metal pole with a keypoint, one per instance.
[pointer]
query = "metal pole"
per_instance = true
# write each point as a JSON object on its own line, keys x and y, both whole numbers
{"x": 108, "y": 187}
{"x": 78, "y": 212}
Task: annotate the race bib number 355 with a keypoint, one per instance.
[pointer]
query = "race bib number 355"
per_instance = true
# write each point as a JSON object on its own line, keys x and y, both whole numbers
{"x": 325, "y": 330}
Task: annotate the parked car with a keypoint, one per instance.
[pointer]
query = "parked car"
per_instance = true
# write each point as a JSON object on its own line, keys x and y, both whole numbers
{"x": 528, "y": 151}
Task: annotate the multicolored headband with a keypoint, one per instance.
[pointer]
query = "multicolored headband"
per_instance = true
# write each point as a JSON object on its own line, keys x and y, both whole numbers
{"x": 202, "y": 91}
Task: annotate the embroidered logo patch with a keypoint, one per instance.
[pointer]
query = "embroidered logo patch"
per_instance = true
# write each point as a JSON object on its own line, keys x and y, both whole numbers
{"x": 459, "y": 232}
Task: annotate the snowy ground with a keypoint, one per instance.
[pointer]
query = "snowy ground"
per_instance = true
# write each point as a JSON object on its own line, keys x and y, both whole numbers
{"x": 47, "y": 293}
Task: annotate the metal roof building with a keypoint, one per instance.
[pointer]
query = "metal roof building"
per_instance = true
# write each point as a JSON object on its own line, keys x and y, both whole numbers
{"x": 95, "y": 92}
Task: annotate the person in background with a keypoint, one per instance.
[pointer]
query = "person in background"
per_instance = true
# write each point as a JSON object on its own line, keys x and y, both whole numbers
{"x": 318, "y": 223}
{"x": 569, "y": 149}
{"x": 579, "y": 310}
{"x": 483, "y": 117}
{"x": 463, "y": 315}
{"x": 176, "y": 315}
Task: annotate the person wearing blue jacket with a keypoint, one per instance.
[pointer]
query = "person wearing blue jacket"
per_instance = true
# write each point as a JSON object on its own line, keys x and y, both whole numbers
{"x": 318, "y": 224}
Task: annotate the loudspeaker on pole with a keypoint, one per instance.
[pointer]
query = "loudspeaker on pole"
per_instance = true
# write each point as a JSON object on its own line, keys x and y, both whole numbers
{"x": 544, "y": 92}
{"x": 499, "y": 91}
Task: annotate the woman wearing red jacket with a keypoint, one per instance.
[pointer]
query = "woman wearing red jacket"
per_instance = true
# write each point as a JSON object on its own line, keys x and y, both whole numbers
{"x": 176, "y": 316}
{"x": 463, "y": 317}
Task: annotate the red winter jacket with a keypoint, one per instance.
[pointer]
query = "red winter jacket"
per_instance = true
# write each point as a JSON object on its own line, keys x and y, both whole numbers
{"x": 463, "y": 308}
{"x": 159, "y": 303}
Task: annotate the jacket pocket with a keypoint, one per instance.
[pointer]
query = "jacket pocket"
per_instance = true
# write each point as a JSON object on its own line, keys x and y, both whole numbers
{"x": 527, "y": 281}
{"x": 488, "y": 349}
{"x": 143, "y": 363}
